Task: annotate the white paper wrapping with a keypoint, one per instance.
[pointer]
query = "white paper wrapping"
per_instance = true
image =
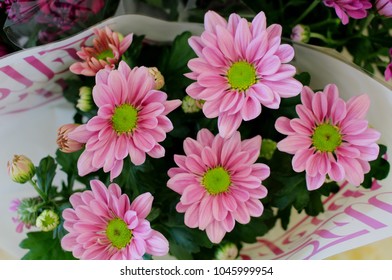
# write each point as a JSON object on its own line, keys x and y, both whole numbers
{"x": 32, "y": 108}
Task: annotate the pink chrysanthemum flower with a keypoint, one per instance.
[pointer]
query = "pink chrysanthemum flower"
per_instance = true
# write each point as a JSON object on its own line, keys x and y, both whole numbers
{"x": 349, "y": 8}
{"x": 107, "y": 49}
{"x": 131, "y": 120}
{"x": 103, "y": 225}
{"x": 219, "y": 182}
{"x": 330, "y": 137}
{"x": 240, "y": 66}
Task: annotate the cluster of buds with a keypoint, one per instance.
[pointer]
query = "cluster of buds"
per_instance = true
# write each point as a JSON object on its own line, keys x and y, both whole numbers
{"x": 29, "y": 213}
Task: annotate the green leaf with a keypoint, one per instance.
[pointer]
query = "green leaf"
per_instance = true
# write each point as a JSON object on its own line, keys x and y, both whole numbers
{"x": 315, "y": 205}
{"x": 45, "y": 173}
{"x": 68, "y": 161}
{"x": 132, "y": 54}
{"x": 257, "y": 227}
{"x": 174, "y": 65}
{"x": 42, "y": 246}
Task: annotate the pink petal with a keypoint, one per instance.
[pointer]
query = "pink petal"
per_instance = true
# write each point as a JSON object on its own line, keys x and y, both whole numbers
{"x": 314, "y": 183}
{"x": 368, "y": 137}
{"x": 211, "y": 109}
{"x": 228, "y": 124}
{"x": 180, "y": 181}
{"x": 209, "y": 158}
{"x": 157, "y": 244}
{"x": 257, "y": 48}
{"x": 255, "y": 207}
{"x": 226, "y": 43}
{"x": 285, "y": 52}
{"x": 212, "y": 19}
{"x": 283, "y": 126}
{"x": 242, "y": 214}
{"x": 214, "y": 57}
{"x": 307, "y": 97}
{"x": 300, "y": 158}
{"x": 142, "y": 205}
{"x": 136, "y": 155}
{"x": 251, "y": 109}
{"x": 205, "y": 212}
{"x": 192, "y": 194}
{"x": 269, "y": 65}
{"x": 191, "y": 217}
{"x": 337, "y": 172}
{"x": 320, "y": 106}
{"x": 292, "y": 143}
{"x": 259, "y": 24}
{"x": 358, "y": 106}
{"x": 353, "y": 170}
{"x": 215, "y": 232}
{"x": 242, "y": 37}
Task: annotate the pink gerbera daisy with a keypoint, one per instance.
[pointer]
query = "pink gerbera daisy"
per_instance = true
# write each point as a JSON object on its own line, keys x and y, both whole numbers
{"x": 103, "y": 225}
{"x": 330, "y": 137}
{"x": 219, "y": 182}
{"x": 349, "y": 8}
{"x": 107, "y": 49}
{"x": 240, "y": 66}
{"x": 131, "y": 120}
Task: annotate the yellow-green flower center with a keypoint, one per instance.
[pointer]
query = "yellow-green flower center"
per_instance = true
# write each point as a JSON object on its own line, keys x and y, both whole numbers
{"x": 105, "y": 54}
{"x": 216, "y": 180}
{"x": 118, "y": 233}
{"x": 124, "y": 119}
{"x": 241, "y": 75}
{"x": 326, "y": 138}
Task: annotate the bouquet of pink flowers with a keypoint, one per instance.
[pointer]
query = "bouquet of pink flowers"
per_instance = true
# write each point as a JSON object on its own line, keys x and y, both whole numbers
{"x": 192, "y": 148}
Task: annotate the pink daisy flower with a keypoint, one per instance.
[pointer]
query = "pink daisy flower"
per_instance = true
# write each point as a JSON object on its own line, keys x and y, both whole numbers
{"x": 219, "y": 182}
{"x": 330, "y": 137}
{"x": 349, "y": 8}
{"x": 104, "y": 225}
{"x": 240, "y": 66}
{"x": 107, "y": 49}
{"x": 131, "y": 121}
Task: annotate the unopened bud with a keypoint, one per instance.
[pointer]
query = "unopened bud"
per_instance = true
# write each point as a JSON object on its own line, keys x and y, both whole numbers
{"x": 158, "y": 77}
{"x": 48, "y": 220}
{"x": 64, "y": 143}
{"x": 190, "y": 105}
{"x": 21, "y": 169}
{"x": 85, "y": 101}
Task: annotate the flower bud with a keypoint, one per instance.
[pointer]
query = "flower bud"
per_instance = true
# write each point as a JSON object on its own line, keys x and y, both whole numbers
{"x": 300, "y": 33}
{"x": 190, "y": 105}
{"x": 48, "y": 220}
{"x": 159, "y": 79}
{"x": 64, "y": 143}
{"x": 26, "y": 212}
{"x": 85, "y": 101}
{"x": 21, "y": 169}
{"x": 228, "y": 251}
{"x": 268, "y": 148}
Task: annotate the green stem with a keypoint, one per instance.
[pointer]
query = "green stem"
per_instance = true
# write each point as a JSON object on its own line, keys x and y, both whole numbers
{"x": 38, "y": 190}
{"x": 366, "y": 23}
{"x": 307, "y": 11}
{"x": 328, "y": 41}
